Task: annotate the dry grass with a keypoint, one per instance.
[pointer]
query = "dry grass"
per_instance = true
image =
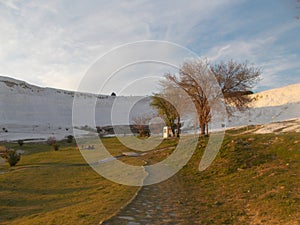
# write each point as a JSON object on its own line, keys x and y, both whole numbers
{"x": 253, "y": 180}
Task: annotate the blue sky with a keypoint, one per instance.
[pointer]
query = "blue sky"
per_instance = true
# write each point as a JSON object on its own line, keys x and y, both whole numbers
{"x": 53, "y": 43}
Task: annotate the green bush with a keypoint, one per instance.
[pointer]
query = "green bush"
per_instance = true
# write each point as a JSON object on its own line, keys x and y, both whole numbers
{"x": 21, "y": 142}
{"x": 70, "y": 138}
{"x": 11, "y": 156}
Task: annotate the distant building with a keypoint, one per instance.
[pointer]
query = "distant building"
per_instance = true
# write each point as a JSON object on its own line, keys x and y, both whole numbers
{"x": 167, "y": 132}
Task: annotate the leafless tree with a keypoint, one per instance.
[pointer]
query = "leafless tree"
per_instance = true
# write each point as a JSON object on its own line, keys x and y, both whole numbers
{"x": 192, "y": 78}
{"x": 196, "y": 78}
{"x": 141, "y": 124}
{"x": 236, "y": 81}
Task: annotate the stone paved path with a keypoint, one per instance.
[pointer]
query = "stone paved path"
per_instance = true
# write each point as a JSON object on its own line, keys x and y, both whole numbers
{"x": 164, "y": 203}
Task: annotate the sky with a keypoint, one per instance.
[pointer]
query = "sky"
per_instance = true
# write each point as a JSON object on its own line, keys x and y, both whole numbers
{"x": 55, "y": 43}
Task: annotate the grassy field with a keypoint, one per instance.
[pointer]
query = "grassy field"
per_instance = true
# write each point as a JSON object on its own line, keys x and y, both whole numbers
{"x": 255, "y": 179}
{"x": 57, "y": 187}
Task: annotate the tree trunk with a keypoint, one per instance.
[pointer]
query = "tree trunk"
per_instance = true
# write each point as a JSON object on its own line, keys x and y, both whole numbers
{"x": 202, "y": 128}
{"x": 173, "y": 130}
{"x": 207, "y": 129}
{"x": 178, "y": 127}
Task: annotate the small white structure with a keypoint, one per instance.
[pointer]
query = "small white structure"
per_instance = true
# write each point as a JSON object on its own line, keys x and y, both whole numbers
{"x": 167, "y": 132}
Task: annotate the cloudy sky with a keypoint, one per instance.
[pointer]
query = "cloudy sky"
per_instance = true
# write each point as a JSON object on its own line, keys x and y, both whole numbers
{"x": 54, "y": 43}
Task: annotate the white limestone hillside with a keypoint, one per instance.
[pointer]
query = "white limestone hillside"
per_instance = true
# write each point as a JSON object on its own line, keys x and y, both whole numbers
{"x": 31, "y": 112}
{"x": 28, "y": 111}
{"x": 277, "y": 97}
{"x": 274, "y": 105}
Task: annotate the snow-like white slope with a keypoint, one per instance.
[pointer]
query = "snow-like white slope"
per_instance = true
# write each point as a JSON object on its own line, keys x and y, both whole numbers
{"x": 278, "y": 104}
{"x": 284, "y": 126}
{"x": 277, "y": 97}
{"x": 28, "y": 111}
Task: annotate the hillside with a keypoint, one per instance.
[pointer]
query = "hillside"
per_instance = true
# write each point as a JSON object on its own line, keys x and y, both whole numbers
{"x": 30, "y": 112}
{"x": 253, "y": 180}
{"x": 274, "y": 105}
{"x": 278, "y": 96}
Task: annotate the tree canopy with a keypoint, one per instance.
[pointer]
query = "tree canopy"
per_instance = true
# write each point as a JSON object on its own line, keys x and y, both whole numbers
{"x": 235, "y": 81}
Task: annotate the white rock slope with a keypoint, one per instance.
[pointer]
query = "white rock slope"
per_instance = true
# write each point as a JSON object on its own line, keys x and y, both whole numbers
{"x": 28, "y": 111}
{"x": 274, "y": 105}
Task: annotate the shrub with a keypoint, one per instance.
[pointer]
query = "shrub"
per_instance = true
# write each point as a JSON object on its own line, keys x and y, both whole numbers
{"x": 11, "y": 156}
{"x": 70, "y": 138}
{"x": 21, "y": 142}
{"x": 140, "y": 124}
{"x": 55, "y": 146}
{"x": 51, "y": 141}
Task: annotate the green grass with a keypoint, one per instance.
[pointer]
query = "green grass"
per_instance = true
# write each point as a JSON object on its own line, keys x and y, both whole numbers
{"x": 254, "y": 179}
{"x": 57, "y": 187}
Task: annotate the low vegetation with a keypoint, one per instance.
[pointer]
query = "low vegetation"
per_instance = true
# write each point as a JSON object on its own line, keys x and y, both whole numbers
{"x": 52, "y": 142}
{"x": 10, "y": 155}
{"x": 70, "y": 138}
{"x": 253, "y": 180}
{"x": 21, "y": 142}
{"x": 57, "y": 187}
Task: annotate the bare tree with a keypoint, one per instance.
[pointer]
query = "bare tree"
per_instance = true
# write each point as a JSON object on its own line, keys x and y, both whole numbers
{"x": 192, "y": 79}
{"x": 196, "y": 79}
{"x": 141, "y": 124}
{"x": 236, "y": 81}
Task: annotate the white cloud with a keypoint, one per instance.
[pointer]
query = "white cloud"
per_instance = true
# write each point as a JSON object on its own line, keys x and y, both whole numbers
{"x": 10, "y": 4}
{"x": 264, "y": 50}
{"x": 52, "y": 43}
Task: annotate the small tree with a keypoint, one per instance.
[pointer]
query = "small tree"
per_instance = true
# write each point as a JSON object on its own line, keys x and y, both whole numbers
{"x": 171, "y": 103}
{"x": 141, "y": 124}
{"x": 166, "y": 110}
